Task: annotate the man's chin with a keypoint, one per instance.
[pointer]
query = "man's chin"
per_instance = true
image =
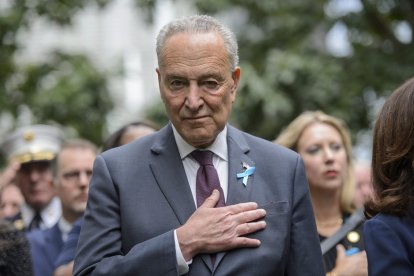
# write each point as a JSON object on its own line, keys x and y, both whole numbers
{"x": 198, "y": 136}
{"x": 80, "y": 207}
{"x": 39, "y": 204}
{"x": 200, "y": 142}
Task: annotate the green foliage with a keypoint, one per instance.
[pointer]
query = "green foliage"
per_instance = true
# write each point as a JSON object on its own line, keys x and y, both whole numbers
{"x": 68, "y": 90}
{"x": 156, "y": 113}
{"x": 63, "y": 88}
{"x": 286, "y": 68}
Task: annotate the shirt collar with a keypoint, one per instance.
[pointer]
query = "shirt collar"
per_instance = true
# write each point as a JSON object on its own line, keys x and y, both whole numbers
{"x": 219, "y": 146}
{"x": 50, "y": 214}
{"x": 64, "y": 226}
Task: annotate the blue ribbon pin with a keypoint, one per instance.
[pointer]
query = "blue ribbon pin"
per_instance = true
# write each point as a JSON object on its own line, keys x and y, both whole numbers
{"x": 245, "y": 175}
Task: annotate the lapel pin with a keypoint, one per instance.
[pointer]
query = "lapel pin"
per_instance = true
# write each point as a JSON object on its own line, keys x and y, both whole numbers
{"x": 248, "y": 171}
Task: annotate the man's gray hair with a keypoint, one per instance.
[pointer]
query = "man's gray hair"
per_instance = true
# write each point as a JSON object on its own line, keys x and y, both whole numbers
{"x": 200, "y": 24}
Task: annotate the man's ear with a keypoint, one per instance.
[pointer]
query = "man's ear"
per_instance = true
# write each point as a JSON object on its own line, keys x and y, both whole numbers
{"x": 159, "y": 83}
{"x": 158, "y": 75}
{"x": 235, "y": 75}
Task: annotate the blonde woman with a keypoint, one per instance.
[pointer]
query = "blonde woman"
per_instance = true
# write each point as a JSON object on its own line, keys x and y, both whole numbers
{"x": 324, "y": 144}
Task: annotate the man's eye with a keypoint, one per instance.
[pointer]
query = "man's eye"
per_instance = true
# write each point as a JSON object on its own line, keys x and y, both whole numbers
{"x": 70, "y": 174}
{"x": 176, "y": 84}
{"x": 211, "y": 85}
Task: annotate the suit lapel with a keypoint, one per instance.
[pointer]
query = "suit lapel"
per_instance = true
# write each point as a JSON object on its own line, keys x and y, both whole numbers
{"x": 168, "y": 170}
{"x": 237, "y": 191}
{"x": 238, "y": 149}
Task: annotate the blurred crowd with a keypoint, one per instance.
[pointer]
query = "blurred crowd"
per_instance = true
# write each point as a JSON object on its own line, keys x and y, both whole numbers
{"x": 43, "y": 195}
{"x": 44, "y": 187}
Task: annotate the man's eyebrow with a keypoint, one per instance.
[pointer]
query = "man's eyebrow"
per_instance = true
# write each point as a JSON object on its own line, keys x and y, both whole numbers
{"x": 206, "y": 75}
{"x": 173, "y": 76}
{"x": 210, "y": 75}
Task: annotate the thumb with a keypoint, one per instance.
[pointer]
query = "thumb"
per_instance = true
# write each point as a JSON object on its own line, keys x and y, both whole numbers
{"x": 212, "y": 200}
{"x": 340, "y": 252}
{"x": 15, "y": 165}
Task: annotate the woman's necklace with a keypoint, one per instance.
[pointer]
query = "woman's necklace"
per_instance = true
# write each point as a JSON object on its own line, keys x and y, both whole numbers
{"x": 332, "y": 223}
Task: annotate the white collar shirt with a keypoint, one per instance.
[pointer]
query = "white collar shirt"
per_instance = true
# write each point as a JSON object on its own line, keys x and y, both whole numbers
{"x": 50, "y": 214}
{"x": 65, "y": 227}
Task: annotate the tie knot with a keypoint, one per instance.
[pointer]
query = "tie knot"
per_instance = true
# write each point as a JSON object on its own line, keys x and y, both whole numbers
{"x": 203, "y": 157}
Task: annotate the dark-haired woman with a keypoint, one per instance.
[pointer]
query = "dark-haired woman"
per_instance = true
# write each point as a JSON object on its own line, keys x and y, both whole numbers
{"x": 389, "y": 233}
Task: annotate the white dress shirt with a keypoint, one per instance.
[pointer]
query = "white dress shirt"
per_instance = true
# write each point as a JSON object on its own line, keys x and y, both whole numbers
{"x": 50, "y": 214}
{"x": 65, "y": 227}
{"x": 220, "y": 162}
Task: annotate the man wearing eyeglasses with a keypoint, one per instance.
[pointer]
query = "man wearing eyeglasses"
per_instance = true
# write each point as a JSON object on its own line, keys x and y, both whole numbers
{"x": 72, "y": 170}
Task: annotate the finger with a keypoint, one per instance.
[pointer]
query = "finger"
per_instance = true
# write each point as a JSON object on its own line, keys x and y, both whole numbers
{"x": 251, "y": 227}
{"x": 15, "y": 165}
{"x": 246, "y": 242}
{"x": 212, "y": 200}
{"x": 340, "y": 251}
{"x": 361, "y": 255}
{"x": 241, "y": 207}
{"x": 249, "y": 216}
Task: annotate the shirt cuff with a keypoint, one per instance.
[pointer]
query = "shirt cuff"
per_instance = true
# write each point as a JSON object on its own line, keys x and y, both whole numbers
{"x": 183, "y": 266}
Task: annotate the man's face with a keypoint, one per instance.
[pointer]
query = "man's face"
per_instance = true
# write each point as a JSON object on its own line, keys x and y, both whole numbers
{"x": 35, "y": 180}
{"x": 11, "y": 199}
{"x": 74, "y": 169}
{"x": 197, "y": 85}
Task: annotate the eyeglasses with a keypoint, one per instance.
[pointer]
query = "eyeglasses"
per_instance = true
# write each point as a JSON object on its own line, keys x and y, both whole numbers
{"x": 76, "y": 175}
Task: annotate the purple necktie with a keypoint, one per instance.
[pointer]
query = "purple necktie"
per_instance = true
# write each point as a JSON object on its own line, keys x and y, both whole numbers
{"x": 207, "y": 178}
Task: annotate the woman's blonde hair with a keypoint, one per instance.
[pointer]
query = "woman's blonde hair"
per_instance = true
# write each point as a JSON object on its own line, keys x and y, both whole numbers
{"x": 290, "y": 136}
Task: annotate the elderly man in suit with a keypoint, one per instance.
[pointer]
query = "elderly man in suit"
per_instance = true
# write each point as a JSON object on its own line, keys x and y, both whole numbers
{"x": 198, "y": 197}
{"x": 72, "y": 171}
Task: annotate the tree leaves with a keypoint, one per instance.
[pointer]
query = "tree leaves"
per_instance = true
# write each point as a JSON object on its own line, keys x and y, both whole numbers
{"x": 64, "y": 88}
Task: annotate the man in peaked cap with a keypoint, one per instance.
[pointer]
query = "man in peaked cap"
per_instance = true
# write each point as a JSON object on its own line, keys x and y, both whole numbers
{"x": 33, "y": 148}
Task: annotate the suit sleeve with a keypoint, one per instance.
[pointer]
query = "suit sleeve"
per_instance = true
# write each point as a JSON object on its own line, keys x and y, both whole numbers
{"x": 386, "y": 253}
{"x": 305, "y": 257}
{"x": 100, "y": 250}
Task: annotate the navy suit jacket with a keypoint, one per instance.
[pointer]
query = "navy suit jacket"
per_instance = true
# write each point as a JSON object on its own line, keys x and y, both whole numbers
{"x": 45, "y": 245}
{"x": 389, "y": 243}
{"x": 139, "y": 194}
{"x": 67, "y": 253}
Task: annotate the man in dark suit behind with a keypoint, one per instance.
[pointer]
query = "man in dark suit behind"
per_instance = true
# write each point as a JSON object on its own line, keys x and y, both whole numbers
{"x": 142, "y": 216}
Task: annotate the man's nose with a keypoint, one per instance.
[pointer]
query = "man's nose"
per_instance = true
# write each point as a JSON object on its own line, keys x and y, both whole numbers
{"x": 34, "y": 175}
{"x": 84, "y": 179}
{"x": 193, "y": 98}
